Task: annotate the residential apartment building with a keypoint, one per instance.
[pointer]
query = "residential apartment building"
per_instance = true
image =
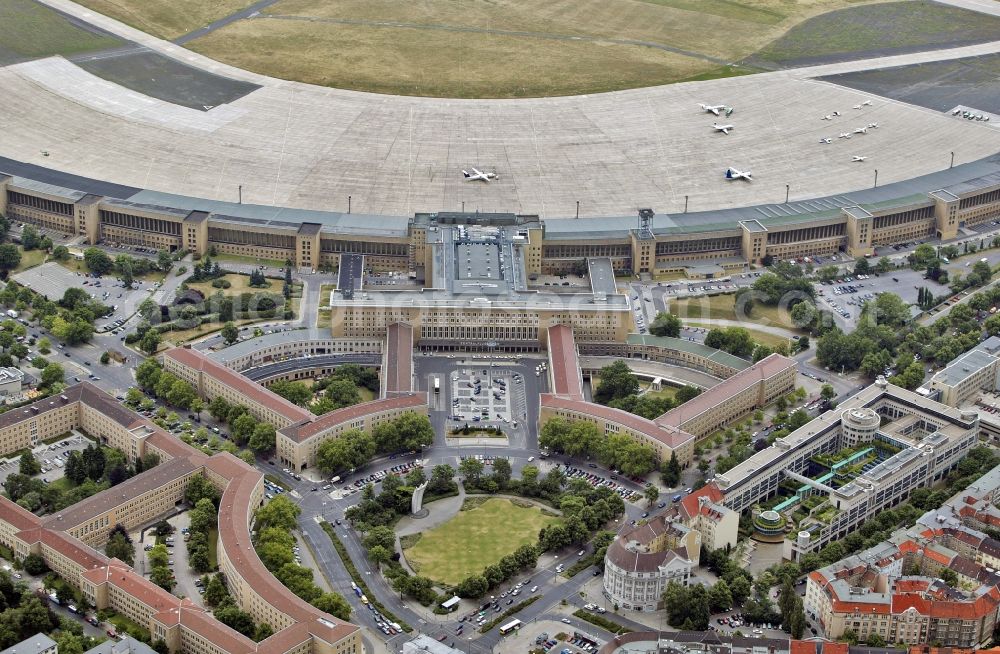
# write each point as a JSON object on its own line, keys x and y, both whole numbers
{"x": 643, "y": 559}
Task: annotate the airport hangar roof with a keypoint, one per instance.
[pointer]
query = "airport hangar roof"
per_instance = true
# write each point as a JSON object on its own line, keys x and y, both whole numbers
{"x": 959, "y": 179}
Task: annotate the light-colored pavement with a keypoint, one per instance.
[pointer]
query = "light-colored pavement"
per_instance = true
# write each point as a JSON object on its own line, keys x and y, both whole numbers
{"x": 304, "y": 146}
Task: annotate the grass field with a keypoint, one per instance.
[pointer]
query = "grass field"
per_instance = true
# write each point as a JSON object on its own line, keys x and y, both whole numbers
{"x": 878, "y": 29}
{"x": 505, "y": 48}
{"x": 723, "y": 307}
{"x": 239, "y": 284}
{"x": 474, "y": 539}
{"x": 30, "y": 30}
{"x": 30, "y": 259}
{"x": 167, "y": 19}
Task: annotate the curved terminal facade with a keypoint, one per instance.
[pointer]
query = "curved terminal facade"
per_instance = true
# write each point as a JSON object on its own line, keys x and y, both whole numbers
{"x": 930, "y": 206}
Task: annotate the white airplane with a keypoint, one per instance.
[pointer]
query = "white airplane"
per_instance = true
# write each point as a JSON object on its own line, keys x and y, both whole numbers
{"x": 826, "y": 141}
{"x": 476, "y": 175}
{"x": 723, "y": 128}
{"x": 866, "y": 103}
{"x": 713, "y": 108}
{"x": 872, "y": 125}
{"x": 861, "y": 130}
{"x": 836, "y": 113}
{"x": 827, "y": 117}
{"x": 732, "y": 173}
{"x": 844, "y": 135}
{"x": 858, "y": 158}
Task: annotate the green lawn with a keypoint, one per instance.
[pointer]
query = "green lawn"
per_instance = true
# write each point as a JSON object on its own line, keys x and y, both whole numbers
{"x": 30, "y": 259}
{"x": 30, "y": 30}
{"x": 213, "y": 558}
{"x": 723, "y": 307}
{"x": 475, "y": 539}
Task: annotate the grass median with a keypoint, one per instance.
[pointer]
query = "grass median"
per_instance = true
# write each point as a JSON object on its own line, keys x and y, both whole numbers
{"x": 345, "y": 558}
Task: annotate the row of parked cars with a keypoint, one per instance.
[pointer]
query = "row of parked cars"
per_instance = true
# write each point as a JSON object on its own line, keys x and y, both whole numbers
{"x": 598, "y": 480}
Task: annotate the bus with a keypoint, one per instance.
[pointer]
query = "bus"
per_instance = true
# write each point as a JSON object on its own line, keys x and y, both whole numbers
{"x": 437, "y": 384}
{"x": 509, "y": 627}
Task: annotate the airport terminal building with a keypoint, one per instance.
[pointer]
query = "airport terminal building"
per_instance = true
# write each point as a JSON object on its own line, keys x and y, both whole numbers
{"x": 931, "y": 206}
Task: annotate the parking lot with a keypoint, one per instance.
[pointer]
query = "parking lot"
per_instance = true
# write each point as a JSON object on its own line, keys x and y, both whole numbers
{"x": 482, "y": 395}
{"x": 52, "y": 280}
{"x": 51, "y": 457}
{"x": 614, "y": 483}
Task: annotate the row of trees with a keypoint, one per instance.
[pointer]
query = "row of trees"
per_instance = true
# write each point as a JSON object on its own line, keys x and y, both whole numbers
{"x": 170, "y": 388}
{"x": 275, "y": 523}
{"x": 354, "y": 448}
{"x": 582, "y": 438}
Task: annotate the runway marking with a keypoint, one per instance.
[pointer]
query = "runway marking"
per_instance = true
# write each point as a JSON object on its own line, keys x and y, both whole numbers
{"x": 281, "y": 153}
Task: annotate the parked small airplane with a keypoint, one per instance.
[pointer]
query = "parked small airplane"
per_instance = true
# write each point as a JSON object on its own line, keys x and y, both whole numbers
{"x": 858, "y": 158}
{"x": 826, "y": 140}
{"x": 844, "y": 135}
{"x": 476, "y": 175}
{"x": 827, "y": 117}
{"x": 732, "y": 173}
{"x": 861, "y": 130}
{"x": 872, "y": 125}
{"x": 723, "y": 128}
{"x": 713, "y": 108}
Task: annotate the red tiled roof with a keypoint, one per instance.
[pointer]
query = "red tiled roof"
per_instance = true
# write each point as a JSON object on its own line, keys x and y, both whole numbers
{"x": 766, "y": 368}
{"x": 66, "y": 545}
{"x": 671, "y": 437}
{"x": 235, "y": 535}
{"x": 565, "y": 363}
{"x": 802, "y": 647}
{"x": 397, "y": 360}
{"x": 691, "y": 503}
{"x": 938, "y": 557}
{"x": 302, "y": 431}
{"x": 18, "y": 516}
{"x": 252, "y": 390}
{"x": 835, "y": 648}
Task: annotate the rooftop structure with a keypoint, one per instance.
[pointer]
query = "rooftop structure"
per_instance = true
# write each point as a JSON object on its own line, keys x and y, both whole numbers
{"x": 37, "y": 644}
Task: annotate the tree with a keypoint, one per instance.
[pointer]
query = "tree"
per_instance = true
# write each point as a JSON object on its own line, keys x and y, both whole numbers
{"x": 124, "y": 266}
{"x": 719, "y": 597}
{"x": 883, "y": 265}
{"x": 200, "y": 487}
{"x": 215, "y": 591}
{"x": 60, "y": 253}
{"x": 827, "y": 392}
{"x": 735, "y": 340}
{"x": 441, "y": 478}
{"x": 652, "y": 493}
{"x": 862, "y": 267}
{"x": 672, "y": 472}
{"x": 342, "y": 393}
{"x": 617, "y": 381}
{"x": 164, "y": 261}
{"x": 279, "y": 512}
{"x": 10, "y": 257}
{"x": 29, "y": 465}
{"x": 97, "y": 261}
{"x": 295, "y": 392}
{"x": 665, "y": 324}
{"x": 230, "y": 334}
{"x": 471, "y": 468}
{"x": 263, "y": 438}
{"x": 150, "y": 342}
{"x": 119, "y": 545}
{"x": 334, "y": 604}
{"x": 243, "y": 427}
{"x": 53, "y": 374}
{"x": 34, "y": 564}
